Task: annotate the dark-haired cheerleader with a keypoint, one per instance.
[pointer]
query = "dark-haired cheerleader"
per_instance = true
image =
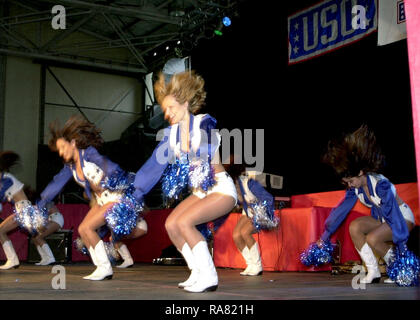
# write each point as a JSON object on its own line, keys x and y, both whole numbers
{"x": 357, "y": 160}
{"x": 76, "y": 143}
{"x": 12, "y": 190}
{"x": 188, "y": 156}
{"x": 257, "y": 214}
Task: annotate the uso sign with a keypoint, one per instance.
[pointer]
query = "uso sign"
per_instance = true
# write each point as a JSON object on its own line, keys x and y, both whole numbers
{"x": 329, "y": 25}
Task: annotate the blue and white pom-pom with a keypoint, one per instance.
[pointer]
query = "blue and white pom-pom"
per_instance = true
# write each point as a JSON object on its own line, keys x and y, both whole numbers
{"x": 317, "y": 255}
{"x": 118, "y": 181}
{"x": 175, "y": 179}
{"x": 263, "y": 216}
{"x": 80, "y": 246}
{"x": 112, "y": 253}
{"x": 201, "y": 175}
{"x": 121, "y": 218}
{"x": 404, "y": 269}
{"x": 31, "y": 218}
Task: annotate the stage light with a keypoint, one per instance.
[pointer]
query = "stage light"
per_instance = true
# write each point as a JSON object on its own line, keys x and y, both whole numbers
{"x": 167, "y": 48}
{"x": 218, "y": 32}
{"x": 154, "y": 54}
{"x": 179, "y": 42}
{"x": 226, "y": 21}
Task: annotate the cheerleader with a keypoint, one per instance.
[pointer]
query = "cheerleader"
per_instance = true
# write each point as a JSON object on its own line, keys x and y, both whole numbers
{"x": 76, "y": 143}
{"x": 357, "y": 160}
{"x": 257, "y": 214}
{"x": 11, "y": 190}
{"x": 115, "y": 249}
{"x": 188, "y": 156}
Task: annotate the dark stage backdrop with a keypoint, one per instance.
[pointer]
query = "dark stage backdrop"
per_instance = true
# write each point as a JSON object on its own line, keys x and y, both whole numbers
{"x": 250, "y": 85}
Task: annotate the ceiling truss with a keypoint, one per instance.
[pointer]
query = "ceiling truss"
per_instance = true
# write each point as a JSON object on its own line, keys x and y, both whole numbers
{"x": 138, "y": 28}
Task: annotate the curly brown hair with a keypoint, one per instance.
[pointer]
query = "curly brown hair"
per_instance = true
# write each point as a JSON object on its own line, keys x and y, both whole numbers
{"x": 84, "y": 133}
{"x": 354, "y": 152}
{"x": 8, "y": 159}
{"x": 185, "y": 86}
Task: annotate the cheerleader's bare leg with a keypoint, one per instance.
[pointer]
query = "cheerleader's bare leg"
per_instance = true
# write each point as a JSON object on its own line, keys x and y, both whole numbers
{"x": 237, "y": 234}
{"x": 207, "y": 209}
{"x": 359, "y": 229}
{"x": 172, "y": 225}
{"x": 370, "y": 235}
{"x": 240, "y": 242}
{"x": 87, "y": 230}
{"x": 6, "y": 226}
{"x": 250, "y": 249}
{"x": 175, "y": 235}
{"x": 379, "y": 240}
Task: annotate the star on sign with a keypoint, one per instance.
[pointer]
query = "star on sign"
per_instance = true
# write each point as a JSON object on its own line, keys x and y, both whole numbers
{"x": 296, "y": 38}
{"x": 296, "y": 49}
{"x": 296, "y": 26}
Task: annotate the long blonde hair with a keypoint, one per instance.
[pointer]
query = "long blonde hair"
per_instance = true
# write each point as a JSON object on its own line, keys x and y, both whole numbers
{"x": 186, "y": 86}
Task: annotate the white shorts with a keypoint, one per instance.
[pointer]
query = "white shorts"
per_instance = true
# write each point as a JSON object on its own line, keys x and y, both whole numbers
{"x": 141, "y": 224}
{"x": 58, "y": 218}
{"x": 406, "y": 212}
{"x": 224, "y": 184}
{"x": 107, "y": 197}
{"x": 14, "y": 188}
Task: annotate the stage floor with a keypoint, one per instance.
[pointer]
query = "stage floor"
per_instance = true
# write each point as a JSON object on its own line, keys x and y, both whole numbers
{"x": 159, "y": 282}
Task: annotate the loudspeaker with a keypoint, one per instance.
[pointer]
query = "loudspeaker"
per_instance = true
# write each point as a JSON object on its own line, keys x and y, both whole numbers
{"x": 60, "y": 243}
{"x": 170, "y": 256}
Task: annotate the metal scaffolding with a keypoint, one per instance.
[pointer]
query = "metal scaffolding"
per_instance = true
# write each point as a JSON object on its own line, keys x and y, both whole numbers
{"x": 138, "y": 28}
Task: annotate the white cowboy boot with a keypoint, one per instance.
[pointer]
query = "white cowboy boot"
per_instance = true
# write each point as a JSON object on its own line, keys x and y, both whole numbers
{"x": 388, "y": 258}
{"x": 190, "y": 260}
{"x": 104, "y": 269}
{"x": 245, "y": 253}
{"x": 256, "y": 268}
{"x": 47, "y": 256}
{"x": 207, "y": 277}
{"x": 93, "y": 257}
{"x": 41, "y": 254}
{"x": 125, "y": 254}
{"x": 12, "y": 258}
{"x": 368, "y": 257}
